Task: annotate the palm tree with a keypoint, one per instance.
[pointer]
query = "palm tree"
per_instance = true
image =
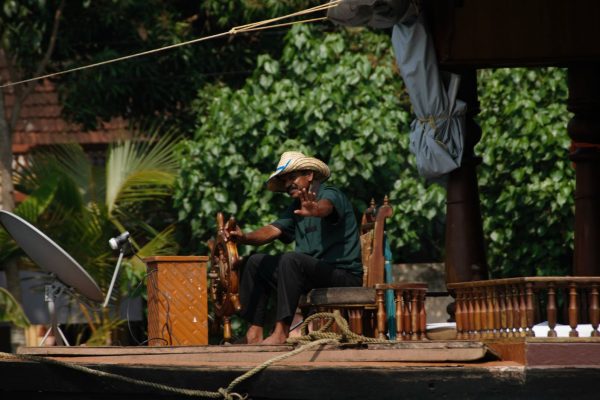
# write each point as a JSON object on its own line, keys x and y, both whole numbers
{"x": 80, "y": 206}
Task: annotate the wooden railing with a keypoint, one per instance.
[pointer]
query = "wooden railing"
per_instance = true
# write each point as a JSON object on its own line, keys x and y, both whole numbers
{"x": 411, "y": 318}
{"x": 366, "y": 312}
{"x": 508, "y": 308}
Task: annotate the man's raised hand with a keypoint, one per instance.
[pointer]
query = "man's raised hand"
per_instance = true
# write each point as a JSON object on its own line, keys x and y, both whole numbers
{"x": 309, "y": 207}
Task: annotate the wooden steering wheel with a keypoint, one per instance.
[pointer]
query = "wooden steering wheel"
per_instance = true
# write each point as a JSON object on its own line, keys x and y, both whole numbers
{"x": 224, "y": 275}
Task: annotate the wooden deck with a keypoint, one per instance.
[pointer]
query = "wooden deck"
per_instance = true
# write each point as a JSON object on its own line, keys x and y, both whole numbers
{"x": 431, "y": 369}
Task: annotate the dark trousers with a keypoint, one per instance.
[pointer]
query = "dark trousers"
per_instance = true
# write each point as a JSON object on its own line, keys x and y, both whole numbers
{"x": 291, "y": 275}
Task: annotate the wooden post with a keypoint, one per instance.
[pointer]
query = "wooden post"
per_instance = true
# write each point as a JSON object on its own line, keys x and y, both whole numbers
{"x": 584, "y": 130}
{"x": 465, "y": 253}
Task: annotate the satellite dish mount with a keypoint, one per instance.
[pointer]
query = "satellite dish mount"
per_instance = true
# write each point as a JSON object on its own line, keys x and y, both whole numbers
{"x": 120, "y": 242}
{"x": 52, "y": 291}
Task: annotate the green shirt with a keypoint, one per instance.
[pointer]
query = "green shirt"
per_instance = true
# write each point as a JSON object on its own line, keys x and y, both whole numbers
{"x": 333, "y": 239}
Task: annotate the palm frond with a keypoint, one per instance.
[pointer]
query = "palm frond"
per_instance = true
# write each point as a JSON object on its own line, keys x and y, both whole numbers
{"x": 163, "y": 243}
{"x": 142, "y": 169}
{"x": 11, "y": 310}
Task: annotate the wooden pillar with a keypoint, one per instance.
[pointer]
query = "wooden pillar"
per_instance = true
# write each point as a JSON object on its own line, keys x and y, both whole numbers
{"x": 465, "y": 252}
{"x": 584, "y": 130}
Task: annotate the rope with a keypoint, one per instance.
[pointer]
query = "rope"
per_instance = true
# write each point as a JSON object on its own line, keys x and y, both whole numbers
{"x": 255, "y": 26}
{"x": 346, "y": 335}
{"x": 224, "y": 393}
{"x": 307, "y": 340}
{"x": 221, "y": 393}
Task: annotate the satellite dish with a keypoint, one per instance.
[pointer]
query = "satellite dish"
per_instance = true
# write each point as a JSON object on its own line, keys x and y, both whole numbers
{"x": 49, "y": 256}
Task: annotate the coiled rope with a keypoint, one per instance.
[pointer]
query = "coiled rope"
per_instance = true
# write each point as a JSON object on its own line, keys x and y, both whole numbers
{"x": 345, "y": 335}
{"x": 308, "y": 340}
{"x": 255, "y": 26}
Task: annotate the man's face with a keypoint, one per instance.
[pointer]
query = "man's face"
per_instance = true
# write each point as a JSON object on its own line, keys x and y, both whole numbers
{"x": 295, "y": 181}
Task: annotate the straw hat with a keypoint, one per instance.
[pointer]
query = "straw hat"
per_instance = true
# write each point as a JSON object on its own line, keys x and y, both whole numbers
{"x": 291, "y": 161}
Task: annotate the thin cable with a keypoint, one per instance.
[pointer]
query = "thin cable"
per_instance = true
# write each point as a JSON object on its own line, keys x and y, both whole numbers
{"x": 256, "y": 26}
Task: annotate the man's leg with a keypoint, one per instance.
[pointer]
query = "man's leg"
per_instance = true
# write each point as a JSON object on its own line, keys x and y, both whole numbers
{"x": 254, "y": 292}
{"x": 296, "y": 274}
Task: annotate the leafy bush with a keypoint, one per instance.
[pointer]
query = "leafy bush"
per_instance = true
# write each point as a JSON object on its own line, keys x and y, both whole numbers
{"x": 526, "y": 180}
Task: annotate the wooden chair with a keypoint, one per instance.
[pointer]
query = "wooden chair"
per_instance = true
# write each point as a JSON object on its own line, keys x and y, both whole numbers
{"x": 364, "y": 307}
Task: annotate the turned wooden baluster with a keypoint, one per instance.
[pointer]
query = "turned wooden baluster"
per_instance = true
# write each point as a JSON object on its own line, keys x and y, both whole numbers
{"x": 476, "y": 314}
{"x": 483, "y": 312}
{"x": 422, "y": 315}
{"x": 459, "y": 315}
{"x": 529, "y": 310}
{"x": 497, "y": 313}
{"x": 594, "y": 310}
{"x": 516, "y": 311}
{"x": 509, "y": 311}
{"x": 465, "y": 314}
{"x": 470, "y": 313}
{"x": 407, "y": 320}
{"x": 466, "y": 319}
{"x": 399, "y": 315}
{"x": 522, "y": 311}
{"x": 551, "y": 310}
{"x": 414, "y": 315}
{"x": 490, "y": 311}
{"x": 355, "y": 317}
{"x": 573, "y": 310}
{"x": 381, "y": 314}
{"x": 503, "y": 311}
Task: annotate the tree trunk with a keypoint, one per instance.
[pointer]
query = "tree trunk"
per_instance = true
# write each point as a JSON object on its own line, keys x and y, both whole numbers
{"x": 6, "y": 160}
{"x": 11, "y": 268}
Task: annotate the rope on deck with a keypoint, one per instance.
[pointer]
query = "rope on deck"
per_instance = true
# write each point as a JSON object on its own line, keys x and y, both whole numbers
{"x": 307, "y": 341}
{"x": 346, "y": 335}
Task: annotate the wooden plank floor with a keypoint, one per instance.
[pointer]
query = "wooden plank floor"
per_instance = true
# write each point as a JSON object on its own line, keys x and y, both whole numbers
{"x": 423, "y": 370}
{"x": 424, "y": 352}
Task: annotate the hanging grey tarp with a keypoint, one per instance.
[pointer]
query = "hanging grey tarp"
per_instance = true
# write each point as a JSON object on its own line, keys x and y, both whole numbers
{"x": 373, "y": 13}
{"x": 436, "y": 136}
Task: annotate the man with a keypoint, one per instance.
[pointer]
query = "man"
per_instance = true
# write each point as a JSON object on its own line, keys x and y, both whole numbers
{"x": 321, "y": 221}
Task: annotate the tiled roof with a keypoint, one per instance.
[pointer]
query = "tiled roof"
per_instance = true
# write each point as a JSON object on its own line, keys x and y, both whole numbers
{"x": 40, "y": 122}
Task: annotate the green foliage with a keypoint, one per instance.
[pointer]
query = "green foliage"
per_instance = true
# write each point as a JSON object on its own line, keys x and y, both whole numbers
{"x": 335, "y": 96}
{"x": 11, "y": 311}
{"x": 526, "y": 180}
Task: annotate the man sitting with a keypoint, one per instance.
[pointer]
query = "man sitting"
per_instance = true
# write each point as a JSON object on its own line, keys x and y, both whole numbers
{"x": 322, "y": 223}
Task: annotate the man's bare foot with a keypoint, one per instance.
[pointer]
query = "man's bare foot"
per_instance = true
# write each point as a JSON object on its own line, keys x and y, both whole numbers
{"x": 275, "y": 339}
{"x": 254, "y": 335}
{"x": 279, "y": 335}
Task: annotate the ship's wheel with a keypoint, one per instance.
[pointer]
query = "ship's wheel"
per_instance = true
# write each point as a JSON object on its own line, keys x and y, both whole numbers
{"x": 224, "y": 275}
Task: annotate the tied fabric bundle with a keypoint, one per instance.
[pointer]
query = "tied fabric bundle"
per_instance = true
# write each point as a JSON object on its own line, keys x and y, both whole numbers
{"x": 436, "y": 136}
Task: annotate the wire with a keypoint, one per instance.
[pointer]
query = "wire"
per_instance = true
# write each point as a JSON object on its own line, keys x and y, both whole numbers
{"x": 255, "y": 26}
